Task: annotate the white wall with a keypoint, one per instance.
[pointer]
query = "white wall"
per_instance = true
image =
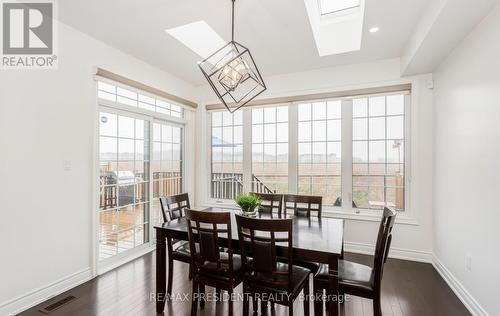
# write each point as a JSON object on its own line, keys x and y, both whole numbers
{"x": 467, "y": 168}
{"x": 47, "y": 116}
{"x": 410, "y": 241}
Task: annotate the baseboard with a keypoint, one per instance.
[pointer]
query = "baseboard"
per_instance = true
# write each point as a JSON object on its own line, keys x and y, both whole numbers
{"x": 420, "y": 256}
{"x": 37, "y": 296}
{"x": 134, "y": 254}
{"x": 396, "y": 253}
{"x": 467, "y": 299}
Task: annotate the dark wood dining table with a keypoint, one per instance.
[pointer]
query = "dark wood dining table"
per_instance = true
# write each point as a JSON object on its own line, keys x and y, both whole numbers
{"x": 314, "y": 239}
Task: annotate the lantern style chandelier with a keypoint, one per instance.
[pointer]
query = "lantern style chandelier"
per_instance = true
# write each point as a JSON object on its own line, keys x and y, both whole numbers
{"x": 233, "y": 74}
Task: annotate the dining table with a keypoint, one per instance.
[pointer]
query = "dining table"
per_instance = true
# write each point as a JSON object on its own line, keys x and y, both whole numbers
{"x": 315, "y": 239}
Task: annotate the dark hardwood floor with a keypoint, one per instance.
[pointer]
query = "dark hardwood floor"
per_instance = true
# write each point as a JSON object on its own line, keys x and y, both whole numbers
{"x": 409, "y": 288}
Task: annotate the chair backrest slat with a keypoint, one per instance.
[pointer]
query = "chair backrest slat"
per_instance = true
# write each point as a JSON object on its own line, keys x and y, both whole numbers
{"x": 303, "y": 205}
{"x": 383, "y": 245}
{"x": 258, "y": 241}
{"x": 172, "y": 207}
{"x": 204, "y": 230}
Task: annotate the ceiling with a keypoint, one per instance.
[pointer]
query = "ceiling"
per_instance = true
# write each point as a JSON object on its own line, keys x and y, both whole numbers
{"x": 277, "y": 32}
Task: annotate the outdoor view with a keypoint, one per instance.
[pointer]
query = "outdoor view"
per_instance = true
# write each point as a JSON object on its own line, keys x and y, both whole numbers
{"x": 378, "y": 156}
{"x": 270, "y": 149}
{"x": 166, "y": 165}
{"x": 124, "y": 181}
{"x": 378, "y": 151}
{"x": 320, "y": 150}
{"x": 124, "y": 148}
{"x": 227, "y": 154}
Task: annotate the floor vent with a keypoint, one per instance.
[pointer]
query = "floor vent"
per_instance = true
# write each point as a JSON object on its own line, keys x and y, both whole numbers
{"x": 52, "y": 307}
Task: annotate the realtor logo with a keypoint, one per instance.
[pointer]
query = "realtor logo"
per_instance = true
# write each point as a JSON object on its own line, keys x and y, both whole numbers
{"x": 28, "y": 34}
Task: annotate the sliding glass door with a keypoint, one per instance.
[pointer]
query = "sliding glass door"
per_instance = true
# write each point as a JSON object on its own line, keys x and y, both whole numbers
{"x": 140, "y": 160}
{"x": 140, "y": 137}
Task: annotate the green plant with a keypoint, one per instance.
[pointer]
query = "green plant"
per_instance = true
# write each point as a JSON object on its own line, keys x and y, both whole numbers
{"x": 248, "y": 202}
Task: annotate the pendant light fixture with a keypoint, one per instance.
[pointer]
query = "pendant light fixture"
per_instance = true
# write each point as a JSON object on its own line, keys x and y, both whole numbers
{"x": 233, "y": 74}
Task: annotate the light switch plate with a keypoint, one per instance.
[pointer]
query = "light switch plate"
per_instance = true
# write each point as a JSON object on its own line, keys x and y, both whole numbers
{"x": 67, "y": 165}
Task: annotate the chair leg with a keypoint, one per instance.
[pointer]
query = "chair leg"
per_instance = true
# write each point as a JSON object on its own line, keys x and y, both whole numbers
{"x": 306, "y": 298}
{"x": 201, "y": 291}
{"x": 377, "y": 306}
{"x": 254, "y": 304}
{"x": 290, "y": 309}
{"x": 264, "y": 306}
{"x": 246, "y": 303}
{"x": 219, "y": 295}
{"x": 190, "y": 272}
{"x": 230, "y": 294}
{"x": 194, "y": 294}
{"x": 170, "y": 276}
{"x": 318, "y": 303}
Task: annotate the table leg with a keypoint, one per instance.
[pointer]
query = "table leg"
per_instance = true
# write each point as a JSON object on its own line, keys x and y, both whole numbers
{"x": 333, "y": 285}
{"x": 161, "y": 287}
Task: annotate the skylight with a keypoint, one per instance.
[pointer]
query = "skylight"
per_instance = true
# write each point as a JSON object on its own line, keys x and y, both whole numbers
{"x": 337, "y": 25}
{"x": 199, "y": 37}
{"x": 332, "y": 6}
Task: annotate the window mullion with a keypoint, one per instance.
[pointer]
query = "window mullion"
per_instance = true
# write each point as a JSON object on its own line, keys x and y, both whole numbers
{"x": 407, "y": 152}
{"x": 247, "y": 150}
{"x": 293, "y": 148}
{"x": 347, "y": 154}
{"x": 151, "y": 182}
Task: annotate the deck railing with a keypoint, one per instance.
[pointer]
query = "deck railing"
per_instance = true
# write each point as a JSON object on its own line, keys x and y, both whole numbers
{"x": 115, "y": 194}
{"x": 226, "y": 186}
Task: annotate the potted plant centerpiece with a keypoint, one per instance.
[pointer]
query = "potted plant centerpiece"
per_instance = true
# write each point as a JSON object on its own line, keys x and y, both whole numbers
{"x": 248, "y": 204}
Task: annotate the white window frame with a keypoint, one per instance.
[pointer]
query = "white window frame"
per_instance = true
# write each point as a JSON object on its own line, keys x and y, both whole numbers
{"x": 103, "y": 105}
{"x": 346, "y": 211}
{"x": 137, "y": 109}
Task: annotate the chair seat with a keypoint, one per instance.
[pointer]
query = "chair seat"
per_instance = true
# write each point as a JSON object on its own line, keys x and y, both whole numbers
{"x": 182, "y": 247}
{"x": 312, "y": 266}
{"x": 268, "y": 282}
{"x": 210, "y": 268}
{"x": 351, "y": 275}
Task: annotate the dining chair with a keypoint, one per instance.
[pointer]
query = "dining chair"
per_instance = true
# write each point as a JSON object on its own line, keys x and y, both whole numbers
{"x": 271, "y": 203}
{"x": 263, "y": 274}
{"x": 357, "y": 279}
{"x": 211, "y": 267}
{"x": 172, "y": 208}
{"x": 304, "y": 206}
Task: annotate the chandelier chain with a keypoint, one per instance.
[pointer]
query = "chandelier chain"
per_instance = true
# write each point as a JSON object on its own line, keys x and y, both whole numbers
{"x": 232, "y": 22}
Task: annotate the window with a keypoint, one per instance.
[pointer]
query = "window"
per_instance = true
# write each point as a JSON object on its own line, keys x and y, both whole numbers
{"x": 130, "y": 97}
{"x": 227, "y": 155}
{"x": 320, "y": 150}
{"x": 270, "y": 150}
{"x": 124, "y": 180}
{"x": 167, "y": 164}
{"x": 351, "y": 151}
{"x": 378, "y": 156}
{"x": 332, "y": 6}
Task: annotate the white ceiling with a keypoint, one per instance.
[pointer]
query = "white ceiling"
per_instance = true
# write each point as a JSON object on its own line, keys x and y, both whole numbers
{"x": 277, "y": 32}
